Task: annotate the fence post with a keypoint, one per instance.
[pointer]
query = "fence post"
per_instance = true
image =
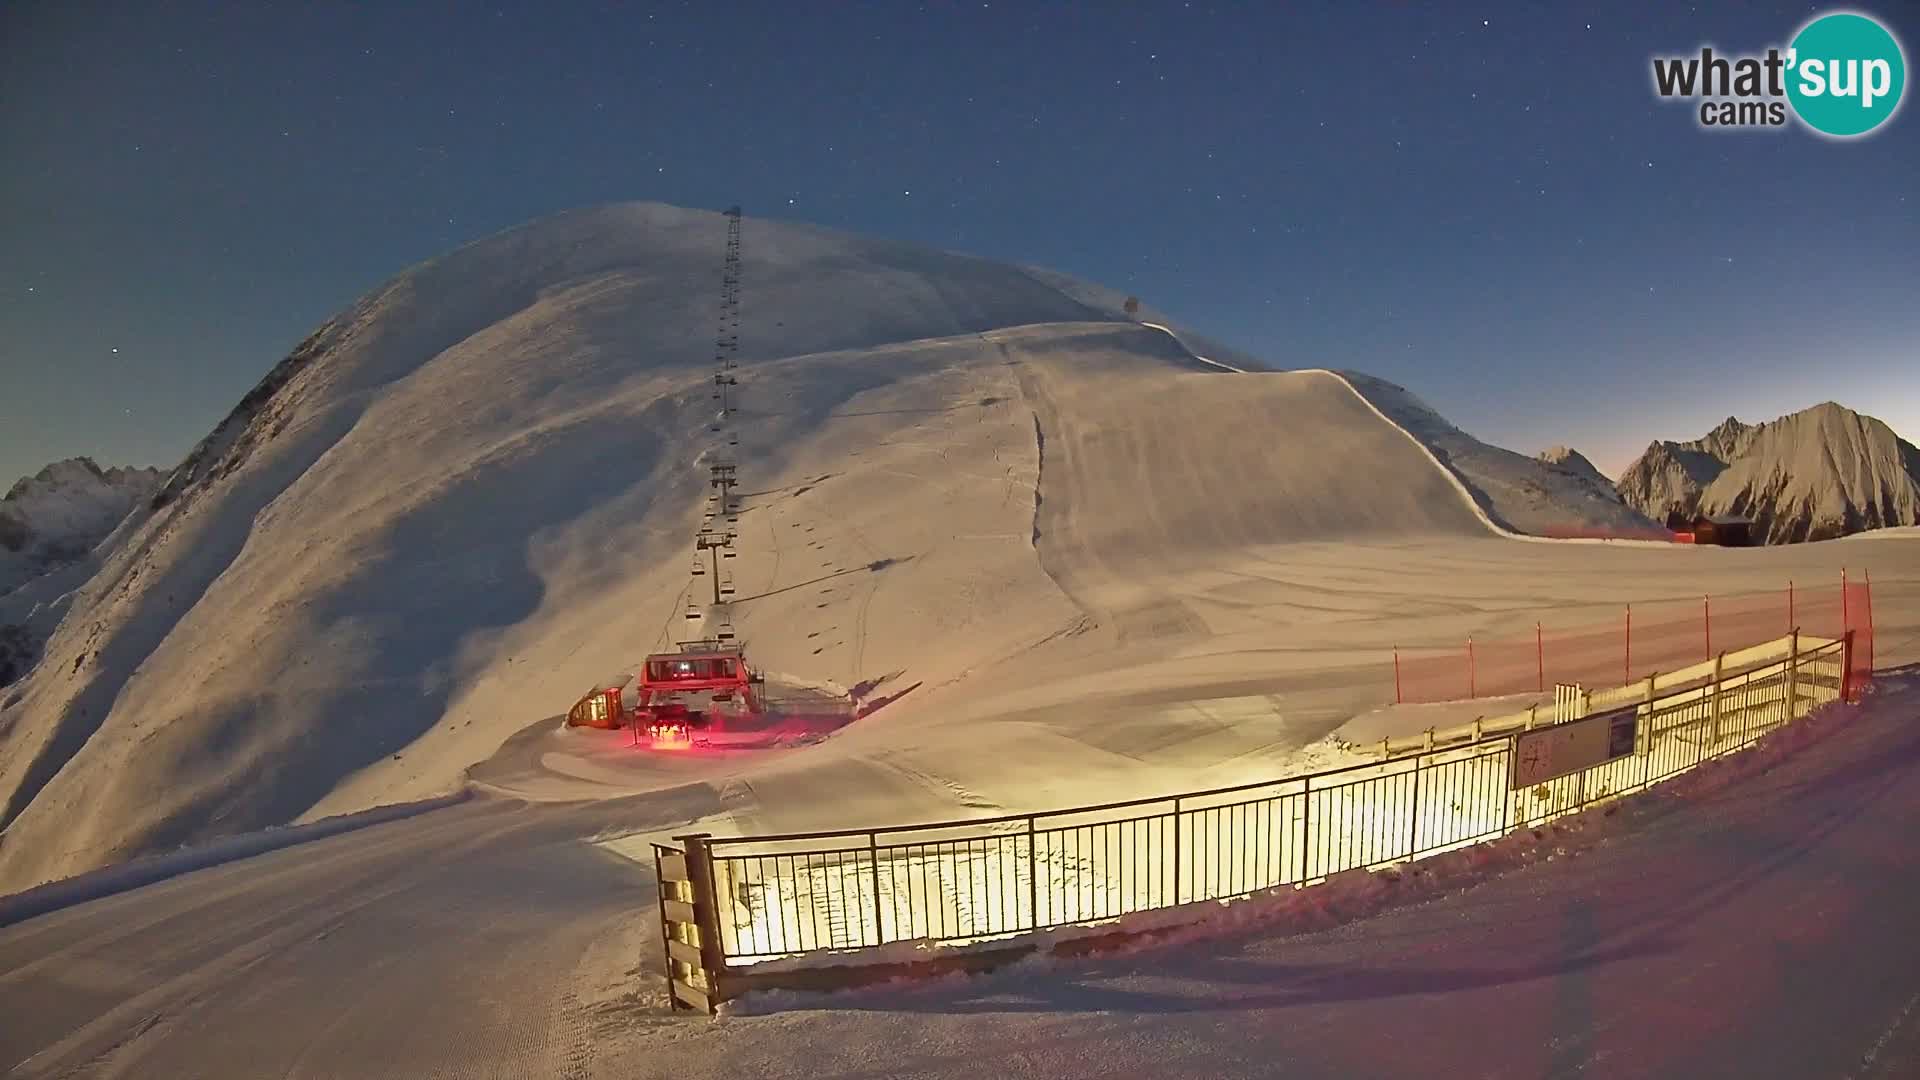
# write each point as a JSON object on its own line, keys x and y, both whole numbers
{"x": 1473, "y": 690}
{"x": 1413, "y": 824}
{"x": 1033, "y": 867}
{"x": 1646, "y": 742}
{"x": 706, "y": 915}
{"x": 873, "y": 855}
{"x": 1793, "y": 674}
{"x": 1306, "y": 844}
{"x": 1539, "y": 661}
{"x": 1507, "y": 795}
{"x": 1176, "y": 850}
{"x": 1719, "y": 663}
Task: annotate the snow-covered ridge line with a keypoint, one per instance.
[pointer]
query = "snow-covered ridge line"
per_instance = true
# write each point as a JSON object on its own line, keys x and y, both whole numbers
{"x": 1453, "y": 478}
{"x": 1459, "y": 483}
{"x": 1189, "y": 351}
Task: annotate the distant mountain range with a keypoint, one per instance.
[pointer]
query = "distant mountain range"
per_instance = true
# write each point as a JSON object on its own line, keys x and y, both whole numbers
{"x": 48, "y": 522}
{"x": 1572, "y": 463}
{"x": 1812, "y": 475}
{"x": 59, "y": 513}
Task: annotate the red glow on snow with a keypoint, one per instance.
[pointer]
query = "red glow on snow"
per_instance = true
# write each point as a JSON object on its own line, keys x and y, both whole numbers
{"x": 670, "y": 737}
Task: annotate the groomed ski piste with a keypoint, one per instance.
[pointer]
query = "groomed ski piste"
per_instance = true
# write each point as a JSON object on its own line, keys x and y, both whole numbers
{"x": 1070, "y": 559}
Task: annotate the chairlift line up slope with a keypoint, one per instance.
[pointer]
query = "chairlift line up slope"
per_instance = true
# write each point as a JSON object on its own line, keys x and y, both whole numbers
{"x": 678, "y": 694}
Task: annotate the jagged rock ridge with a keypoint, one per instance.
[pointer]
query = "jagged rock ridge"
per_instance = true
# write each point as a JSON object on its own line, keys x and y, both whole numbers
{"x": 49, "y": 522}
{"x": 1812, "y": 475}
{"x": 56, "y": 515}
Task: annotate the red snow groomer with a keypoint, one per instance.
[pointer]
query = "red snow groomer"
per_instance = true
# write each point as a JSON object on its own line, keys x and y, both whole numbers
{"x": 677, "y": 695}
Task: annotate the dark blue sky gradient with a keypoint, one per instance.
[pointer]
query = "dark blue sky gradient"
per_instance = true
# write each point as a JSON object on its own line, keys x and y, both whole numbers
{"x": 1485, "y": 204}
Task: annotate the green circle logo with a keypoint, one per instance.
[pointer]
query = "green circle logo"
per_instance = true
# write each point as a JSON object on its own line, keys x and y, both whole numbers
{"x": 1845, "y": 74}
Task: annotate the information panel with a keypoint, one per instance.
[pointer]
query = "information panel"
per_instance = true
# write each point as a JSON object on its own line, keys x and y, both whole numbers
{"x": 1564, "y": 749}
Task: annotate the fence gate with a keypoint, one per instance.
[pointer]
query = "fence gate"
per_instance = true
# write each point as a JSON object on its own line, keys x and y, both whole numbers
{"x": 689, "y": 928}
{"x": 1569, "y": 702}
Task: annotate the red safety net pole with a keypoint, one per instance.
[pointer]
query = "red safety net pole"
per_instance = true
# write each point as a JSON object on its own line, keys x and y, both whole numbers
{"x": 1397, "y": 699}
{"x": 1790, "y": 623}
{"x": 1869, "y": 602}
{"x": 1539, "y": 660}
{"x": 1846, "y": 666}
{"x": 1706, "y": 607}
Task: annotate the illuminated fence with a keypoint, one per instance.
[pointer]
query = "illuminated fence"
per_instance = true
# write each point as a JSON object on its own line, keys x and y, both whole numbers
{"x": 731, "y": 903}
{"x": 1645, "y": 638}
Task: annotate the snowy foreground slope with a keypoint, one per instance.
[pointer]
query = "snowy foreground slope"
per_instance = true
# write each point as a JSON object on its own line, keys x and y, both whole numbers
{"x": 1752, "y": 919}
{"x": 1074, "y": 556}
{"x": 1812, "y": 475}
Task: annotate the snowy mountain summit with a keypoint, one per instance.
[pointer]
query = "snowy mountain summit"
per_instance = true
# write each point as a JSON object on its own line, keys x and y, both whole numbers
{"x": 1570, "y": 462}
{"x": 56, "y": 515}
{"x": 1816, "y": 474}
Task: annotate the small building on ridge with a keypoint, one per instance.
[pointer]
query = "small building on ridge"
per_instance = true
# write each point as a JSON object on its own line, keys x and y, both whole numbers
{"x": 1718, "y": 530}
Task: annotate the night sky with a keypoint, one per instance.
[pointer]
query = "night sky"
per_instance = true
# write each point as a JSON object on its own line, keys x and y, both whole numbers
{"x": 1486, "y": 204}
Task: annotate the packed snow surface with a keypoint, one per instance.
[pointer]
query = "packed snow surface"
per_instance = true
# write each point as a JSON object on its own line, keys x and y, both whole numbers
{"x": 1752, "y": 918}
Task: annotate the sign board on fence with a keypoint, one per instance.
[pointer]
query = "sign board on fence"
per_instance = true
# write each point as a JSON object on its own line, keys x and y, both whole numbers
{"x": 1564, "y": 749}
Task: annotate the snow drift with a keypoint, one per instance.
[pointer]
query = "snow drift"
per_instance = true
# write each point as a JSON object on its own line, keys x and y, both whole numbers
{"x": 1812, "y": 475}
{"x": 469, "y": 496}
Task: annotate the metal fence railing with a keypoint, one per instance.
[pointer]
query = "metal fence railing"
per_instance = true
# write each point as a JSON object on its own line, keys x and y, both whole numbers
{"x": 971, "y": 881}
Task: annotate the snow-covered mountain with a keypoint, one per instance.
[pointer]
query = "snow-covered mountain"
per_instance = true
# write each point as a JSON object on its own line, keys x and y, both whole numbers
{"x": 1819, "y": 473}
{"x": 49, "y": 523}
{"x": 472, "y": 494}
{"x": 1570, "y": 462}
{"x": 1518, "y": 493}
{"x": 58, "y": 513}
